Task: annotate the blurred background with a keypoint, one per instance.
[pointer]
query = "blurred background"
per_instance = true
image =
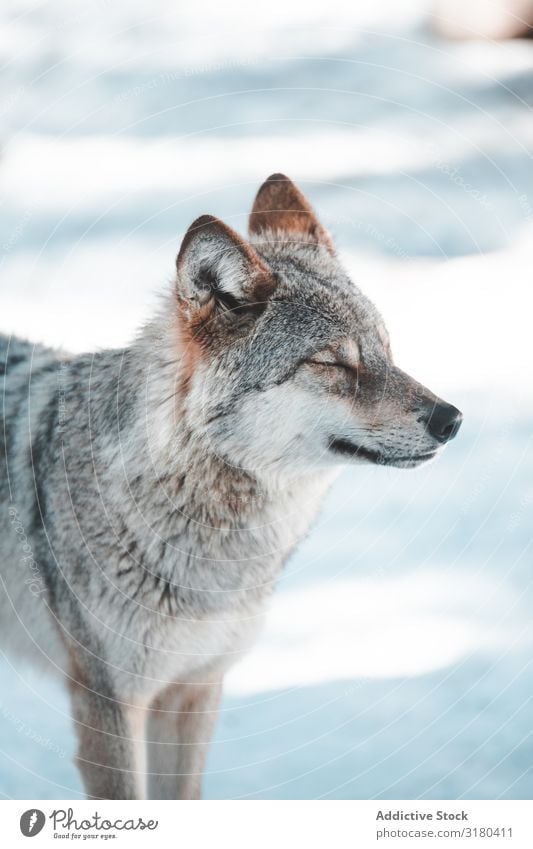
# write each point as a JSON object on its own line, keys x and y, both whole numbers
{"x": 396, "y": 658}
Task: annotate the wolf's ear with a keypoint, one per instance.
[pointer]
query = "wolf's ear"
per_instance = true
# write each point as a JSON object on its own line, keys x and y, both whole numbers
{"x": 216, "y": 267}
{"x": 281, "y": 208}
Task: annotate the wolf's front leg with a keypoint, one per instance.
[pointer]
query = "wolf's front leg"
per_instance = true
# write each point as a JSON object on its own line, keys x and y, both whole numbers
{"x": 179, "y": 731}
{"x": 111, "y": 743}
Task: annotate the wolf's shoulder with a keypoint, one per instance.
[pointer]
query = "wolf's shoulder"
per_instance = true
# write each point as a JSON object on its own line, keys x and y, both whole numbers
{"x": 27, "y": 381}
{"x": 17, "y": 353}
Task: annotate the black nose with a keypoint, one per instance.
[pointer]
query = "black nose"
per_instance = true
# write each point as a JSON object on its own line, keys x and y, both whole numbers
{"x": 444, "y": 422}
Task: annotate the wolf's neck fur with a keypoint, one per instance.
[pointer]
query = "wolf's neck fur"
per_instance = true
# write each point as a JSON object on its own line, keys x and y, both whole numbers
{"x": 172, "y": 492}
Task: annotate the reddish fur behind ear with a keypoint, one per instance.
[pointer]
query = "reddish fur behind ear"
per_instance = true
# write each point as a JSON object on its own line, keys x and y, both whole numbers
{"x": 281, "y": 207}
{"x": 222, "y": 283}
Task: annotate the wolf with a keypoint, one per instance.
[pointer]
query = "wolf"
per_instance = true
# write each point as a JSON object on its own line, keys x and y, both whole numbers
{"x": 152, "y": 494}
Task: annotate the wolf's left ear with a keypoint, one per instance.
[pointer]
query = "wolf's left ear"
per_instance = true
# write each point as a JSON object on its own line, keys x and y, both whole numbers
{"x": 216, "y": 267}
{"x": 281, "y": 211}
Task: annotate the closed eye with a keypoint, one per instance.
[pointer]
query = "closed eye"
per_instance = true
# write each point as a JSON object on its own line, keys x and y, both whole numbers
{"x": 332, "y": 364}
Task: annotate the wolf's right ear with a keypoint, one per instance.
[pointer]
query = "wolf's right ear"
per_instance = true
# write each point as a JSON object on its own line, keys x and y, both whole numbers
{"x": 217, "y": 268}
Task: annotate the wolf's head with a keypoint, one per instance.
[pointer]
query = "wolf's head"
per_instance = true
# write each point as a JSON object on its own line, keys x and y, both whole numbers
{"x": 288, "y": 365}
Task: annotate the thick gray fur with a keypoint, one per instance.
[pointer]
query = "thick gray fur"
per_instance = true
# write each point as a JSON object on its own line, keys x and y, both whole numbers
{"x": 151, "y": 495}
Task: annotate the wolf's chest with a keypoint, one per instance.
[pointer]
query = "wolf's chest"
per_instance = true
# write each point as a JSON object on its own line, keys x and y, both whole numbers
{"x": 188, "y": 650}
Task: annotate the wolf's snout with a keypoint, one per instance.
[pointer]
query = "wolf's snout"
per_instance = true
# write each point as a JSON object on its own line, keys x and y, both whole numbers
{"x": 443, "y": 421}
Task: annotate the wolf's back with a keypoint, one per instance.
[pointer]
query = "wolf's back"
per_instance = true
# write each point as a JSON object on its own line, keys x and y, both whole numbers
{"x": 28, "y": 382}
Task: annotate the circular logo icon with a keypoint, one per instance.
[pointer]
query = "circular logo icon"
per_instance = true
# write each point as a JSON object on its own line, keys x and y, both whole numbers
{"x": 31, "y": 822}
